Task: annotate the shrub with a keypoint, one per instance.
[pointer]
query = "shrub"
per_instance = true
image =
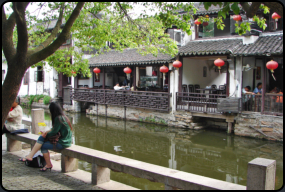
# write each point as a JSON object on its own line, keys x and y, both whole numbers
{"x": 46, "y": 100}
{"x": 31, "y": 99}
{"x": 38, "y": 97}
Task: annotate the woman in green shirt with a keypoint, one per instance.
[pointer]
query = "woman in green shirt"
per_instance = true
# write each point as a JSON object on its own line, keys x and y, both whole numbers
{"x": 60, "y": 123}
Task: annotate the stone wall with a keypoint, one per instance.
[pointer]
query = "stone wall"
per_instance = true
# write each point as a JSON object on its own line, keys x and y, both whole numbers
{"x": 177, "y": 119}
{"x": 259, "y": 126}
{"x": 246, "y": 124}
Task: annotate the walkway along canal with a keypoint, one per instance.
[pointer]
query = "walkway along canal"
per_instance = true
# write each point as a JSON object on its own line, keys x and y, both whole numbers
{"x": 204, "y": 152}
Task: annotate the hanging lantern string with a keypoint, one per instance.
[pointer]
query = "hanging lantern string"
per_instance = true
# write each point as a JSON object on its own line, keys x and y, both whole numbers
{"x": 273, "y": 76}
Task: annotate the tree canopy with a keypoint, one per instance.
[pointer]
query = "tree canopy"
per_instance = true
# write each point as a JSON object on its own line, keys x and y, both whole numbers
{"x": 26, "y": 42}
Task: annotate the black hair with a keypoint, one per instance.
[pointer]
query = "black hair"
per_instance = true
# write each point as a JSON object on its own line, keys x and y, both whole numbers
{"x": 55, "y": 110}
{"x": 249, "y": 88}
{"x": 259, "y": 84}
{"x": 277, "y": 90}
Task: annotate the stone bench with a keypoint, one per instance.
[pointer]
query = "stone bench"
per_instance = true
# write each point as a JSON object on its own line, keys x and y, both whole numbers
{"x": 103, "y": 162}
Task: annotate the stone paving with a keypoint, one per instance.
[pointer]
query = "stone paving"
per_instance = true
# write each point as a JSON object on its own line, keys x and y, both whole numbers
{"x": 17, "y": 176}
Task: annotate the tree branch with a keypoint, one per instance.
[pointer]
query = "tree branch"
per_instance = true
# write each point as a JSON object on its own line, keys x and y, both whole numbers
{"x": 52, "y": 35}
{"x": 7, "y": 35}
{"x": 250, "y": 9}
{"x": 22, "y": 45}
{"x": 275, "y": 7}
{"x": 64, "y": 35}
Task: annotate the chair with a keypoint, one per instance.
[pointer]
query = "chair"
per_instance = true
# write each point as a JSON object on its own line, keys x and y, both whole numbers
{"x": 213, "y": 91}
{"x": 184, "y": 91}
{"x": 80, "y": 86}
{"x": 190, "y": 88}
{"x": 222, "y": 89}
{"x": 196, "y": 86}
{"x": 95, "y": 87}
{"x": 184, "y": 88}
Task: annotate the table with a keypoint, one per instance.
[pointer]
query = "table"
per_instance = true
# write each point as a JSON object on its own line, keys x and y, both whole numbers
{"x": 210, "y": 90}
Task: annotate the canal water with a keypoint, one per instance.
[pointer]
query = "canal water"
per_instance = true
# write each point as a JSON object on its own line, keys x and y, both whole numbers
{"x": 209, "y": 153}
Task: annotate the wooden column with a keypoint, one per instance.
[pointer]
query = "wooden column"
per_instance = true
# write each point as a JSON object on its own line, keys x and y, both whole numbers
{"x": 134, "y": 77}
{"x": 227, "y": 80}
{"x": 103, "y": 78}
{"x": 180, "y": 75}
{"x": 263, "y": 85}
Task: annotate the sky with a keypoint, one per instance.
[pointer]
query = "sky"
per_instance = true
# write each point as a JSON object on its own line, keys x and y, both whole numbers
{"x": 33, "y": 9}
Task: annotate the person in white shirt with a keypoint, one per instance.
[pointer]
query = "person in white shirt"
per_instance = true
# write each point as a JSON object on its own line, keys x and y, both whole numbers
{"x": 117, "y": 87}
{"x": 14, "y": 118}
{"x": 246, "y": 97}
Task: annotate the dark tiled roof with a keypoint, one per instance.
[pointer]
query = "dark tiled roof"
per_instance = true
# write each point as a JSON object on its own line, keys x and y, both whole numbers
{"x": 210, "y": 47}
{"x": 127, "y": 57}
{"x": 211, "y": 10}
{"x": 264, "y": 45}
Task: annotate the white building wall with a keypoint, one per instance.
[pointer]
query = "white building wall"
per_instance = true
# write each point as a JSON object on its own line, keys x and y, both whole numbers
{"x": 247, "y": 76}
{"x": 193, "y": 73}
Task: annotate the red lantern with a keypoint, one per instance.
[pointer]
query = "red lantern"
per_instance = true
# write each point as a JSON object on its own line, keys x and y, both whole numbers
{"x": 73, "y": 72}
{"x": 163, "y": 69}
{"x": 96, "y": 70}
{"x": 197, "y": 22}
{"x": 275, "y": 16}
{"x": 237, "y": 18}
{"x": 205, "y": 24}
{"x": 271, "y": 65}
{"x": 177, "y": 64}
{"x": 219, "y": 63}
{"x": 127, "y": 70}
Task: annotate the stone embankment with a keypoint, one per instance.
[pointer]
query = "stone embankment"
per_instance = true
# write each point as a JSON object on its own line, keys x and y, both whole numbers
{"x": 259, "y": 126}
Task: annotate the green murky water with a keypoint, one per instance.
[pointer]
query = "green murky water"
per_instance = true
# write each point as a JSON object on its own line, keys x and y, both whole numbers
{"x": 208, "y": 153}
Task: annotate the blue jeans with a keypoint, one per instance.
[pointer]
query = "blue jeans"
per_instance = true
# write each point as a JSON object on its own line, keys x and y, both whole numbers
{"x": 47, "y": 145}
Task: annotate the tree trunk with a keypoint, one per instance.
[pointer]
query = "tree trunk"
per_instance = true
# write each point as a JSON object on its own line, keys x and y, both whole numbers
{"x": 11, "y": 86}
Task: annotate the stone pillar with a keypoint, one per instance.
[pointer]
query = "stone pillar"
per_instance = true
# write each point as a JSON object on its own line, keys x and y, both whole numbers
{"x": 68, "y": 164}
{"x": 13, "y": 145}
{"x": 77, "y": 107}
{"x": 238, "y": 76}
{"x": 37, "y": 117}
{"x": 100, "y": 174}
{"x": 261, "y": 174}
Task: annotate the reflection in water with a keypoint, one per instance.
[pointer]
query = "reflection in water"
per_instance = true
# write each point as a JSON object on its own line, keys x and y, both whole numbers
{"x": 205, "y": 152}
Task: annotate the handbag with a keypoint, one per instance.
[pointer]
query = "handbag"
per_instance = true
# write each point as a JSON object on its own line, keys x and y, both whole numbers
{"x": 37, "y": 162}
{"x": 53, "y": 139}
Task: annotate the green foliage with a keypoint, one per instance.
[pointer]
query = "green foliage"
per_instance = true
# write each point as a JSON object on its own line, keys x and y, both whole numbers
{"x": 31, "y": 99}
{"x": 118, "y": 23}
{"x": 38, "y": 97}
{"x": 47, "y": 100}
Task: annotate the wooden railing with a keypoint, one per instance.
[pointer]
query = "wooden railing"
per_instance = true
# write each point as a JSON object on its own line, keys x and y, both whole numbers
{"x": 138, "y": 99}
{"x": 271, "y": 106}
{"x": 197, "y": 102}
